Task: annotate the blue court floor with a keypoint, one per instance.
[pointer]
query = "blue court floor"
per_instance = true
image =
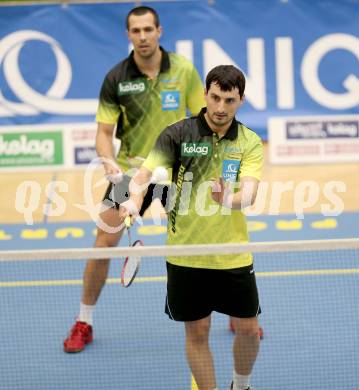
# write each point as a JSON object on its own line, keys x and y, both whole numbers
{"x": 309, "y": 302}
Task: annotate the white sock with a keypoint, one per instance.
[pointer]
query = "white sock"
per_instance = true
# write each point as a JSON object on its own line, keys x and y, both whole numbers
{"x": 86, "y": 313}
{"x": 240, "y": 382}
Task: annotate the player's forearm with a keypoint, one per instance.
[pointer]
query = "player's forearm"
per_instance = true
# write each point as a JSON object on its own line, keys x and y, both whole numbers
{"x": 245, "y": 197}
{"x": 105, "y": 150}
{"x": 237, "y": 201}
{"x": 104, "y": 147}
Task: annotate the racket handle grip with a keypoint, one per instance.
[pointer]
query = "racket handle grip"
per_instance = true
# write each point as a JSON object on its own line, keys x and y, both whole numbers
{"x": 127, "y": 221}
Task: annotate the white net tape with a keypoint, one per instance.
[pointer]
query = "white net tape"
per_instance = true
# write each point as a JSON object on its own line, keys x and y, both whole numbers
{"x": 179, "y": 250}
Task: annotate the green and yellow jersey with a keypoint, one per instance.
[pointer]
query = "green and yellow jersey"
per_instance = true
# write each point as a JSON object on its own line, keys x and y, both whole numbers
{"x": 198, "y": 156}
{"x": 142, "y": 107}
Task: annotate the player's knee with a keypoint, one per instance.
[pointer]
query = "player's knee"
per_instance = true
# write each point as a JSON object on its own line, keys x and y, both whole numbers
{"x": 105, "y": 239}
{"x": 198, "y": 334}
{"x": 248, "y": 329}
{"x": 198, "y": 338}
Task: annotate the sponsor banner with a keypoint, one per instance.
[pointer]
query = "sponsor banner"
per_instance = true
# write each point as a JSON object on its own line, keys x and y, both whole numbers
{"x": 290, "y": 71}
{"x": 84, "y": 155}
{"x": 81, "y": 139}
{"x": 322, "y": 129}
{"x": 322, "y": 139}
{"x": 51, "y": 146}
{"x": 83, "y": 133}
{"x": 31, "y": 149}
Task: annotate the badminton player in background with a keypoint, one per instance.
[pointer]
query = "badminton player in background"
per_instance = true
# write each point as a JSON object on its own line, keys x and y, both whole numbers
{"x": 223, "y": 160}
{"x": 140, "y": 96}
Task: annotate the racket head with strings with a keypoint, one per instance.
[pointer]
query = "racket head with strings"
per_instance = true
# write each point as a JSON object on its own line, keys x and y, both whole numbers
{"x": 130, "y": 267}
{"x": 132, "y": 263}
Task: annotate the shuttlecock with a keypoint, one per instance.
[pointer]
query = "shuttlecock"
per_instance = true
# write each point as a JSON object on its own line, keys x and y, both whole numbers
{"x": 160, "y": 174}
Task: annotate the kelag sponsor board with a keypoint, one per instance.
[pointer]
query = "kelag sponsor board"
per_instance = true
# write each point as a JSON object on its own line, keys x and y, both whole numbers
{"x": 304, "y": 140}
{"x": 60, "y": 146}
{"x": 322, "y": 129}
{"x": 31, "y": 149}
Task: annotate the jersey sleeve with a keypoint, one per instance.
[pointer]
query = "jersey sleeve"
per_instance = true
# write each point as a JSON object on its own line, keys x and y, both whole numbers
{"x": 108, "y": 110}
{"x": 252, "y": 161}
{"x": 164, "y": 152}
{"x": 195, "y": 92}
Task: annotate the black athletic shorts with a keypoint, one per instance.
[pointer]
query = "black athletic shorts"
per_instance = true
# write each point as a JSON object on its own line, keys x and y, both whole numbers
{"x": 193, "y": 293}
{"x": 118, "y": 193}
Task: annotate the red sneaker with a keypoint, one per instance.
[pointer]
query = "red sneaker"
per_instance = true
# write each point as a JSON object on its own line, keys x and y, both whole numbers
{"x": 231, "y": 328}
{"x": 80, "y": 335}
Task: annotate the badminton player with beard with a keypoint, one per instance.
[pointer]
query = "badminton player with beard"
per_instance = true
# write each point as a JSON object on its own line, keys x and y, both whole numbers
{"x": 223, "y": 158}
{"x": 141, "y": 95}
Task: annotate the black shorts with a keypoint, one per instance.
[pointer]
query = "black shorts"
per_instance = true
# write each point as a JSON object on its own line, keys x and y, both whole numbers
{"x": 193, "y": 293}
{"x": 118, "y": 193}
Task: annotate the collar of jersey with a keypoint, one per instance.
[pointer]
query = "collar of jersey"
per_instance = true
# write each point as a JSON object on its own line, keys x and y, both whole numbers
{"x": 204, "y": 129}
{"x": 133, "y": 70}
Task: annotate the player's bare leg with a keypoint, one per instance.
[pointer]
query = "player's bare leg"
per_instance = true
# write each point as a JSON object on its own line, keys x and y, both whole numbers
{"x": 96, "y": 271}
{"x": 199, "y": 355}
{"x": 94, "y": 278}
{"x": 245, "y": 345}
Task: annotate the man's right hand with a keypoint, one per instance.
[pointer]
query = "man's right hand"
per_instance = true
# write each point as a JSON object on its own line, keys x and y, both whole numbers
{"x": 113, "y": 172}
{"x": 130, "y": 209}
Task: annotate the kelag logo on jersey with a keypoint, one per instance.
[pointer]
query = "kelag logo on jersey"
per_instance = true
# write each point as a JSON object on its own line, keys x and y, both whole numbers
{"x": 193, "y": 149}
{"x": 170, "y": 100}
{"x": 230, "y": 170}
{"x": 131, "y": 87}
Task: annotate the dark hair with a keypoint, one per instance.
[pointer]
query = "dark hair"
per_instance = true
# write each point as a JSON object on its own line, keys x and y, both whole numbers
{"x": 227, "y": 77}
{"x": 142, "y": 10}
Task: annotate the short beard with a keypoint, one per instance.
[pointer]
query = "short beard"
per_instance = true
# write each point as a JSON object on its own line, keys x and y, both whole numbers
{"x": 147, "y": 56}
{"x": 219, "y": 123}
